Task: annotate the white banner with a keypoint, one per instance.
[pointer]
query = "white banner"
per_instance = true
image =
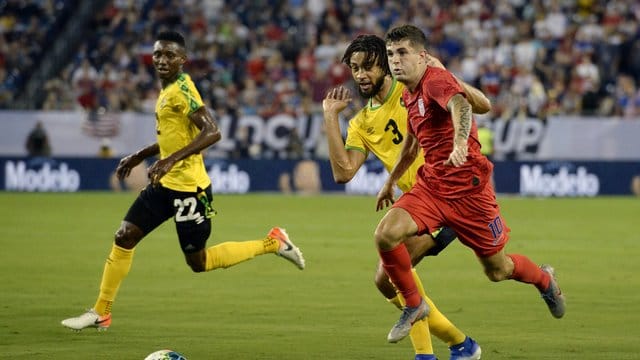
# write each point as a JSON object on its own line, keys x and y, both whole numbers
{"x": 559, "y": 138}
{"x": 567, "y": 138}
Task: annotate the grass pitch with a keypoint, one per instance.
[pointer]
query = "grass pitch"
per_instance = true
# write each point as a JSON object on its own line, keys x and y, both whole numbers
{"x": 54, "y": 247}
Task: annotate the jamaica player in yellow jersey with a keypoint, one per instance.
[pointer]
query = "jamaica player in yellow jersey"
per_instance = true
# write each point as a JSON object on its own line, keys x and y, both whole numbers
{"x": 380, "y": 128}
{"x": 179, "y": 188}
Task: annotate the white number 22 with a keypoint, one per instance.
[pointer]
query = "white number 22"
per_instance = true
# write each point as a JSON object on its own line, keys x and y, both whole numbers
{"x": 186, "y": 209}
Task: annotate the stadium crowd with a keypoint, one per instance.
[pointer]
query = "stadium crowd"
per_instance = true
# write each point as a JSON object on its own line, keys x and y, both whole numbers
{"x": 532, "y": 58}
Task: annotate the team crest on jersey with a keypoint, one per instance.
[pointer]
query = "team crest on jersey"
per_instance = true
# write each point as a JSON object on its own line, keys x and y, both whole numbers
{"x": 163, "y": 102}
{"x": 421, "y": 107}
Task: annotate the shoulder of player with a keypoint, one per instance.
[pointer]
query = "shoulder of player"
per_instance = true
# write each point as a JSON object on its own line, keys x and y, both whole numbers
{"x": 434, "y": 74}
{"x": 184, "y": 81}
{"x": 358, "y": 117}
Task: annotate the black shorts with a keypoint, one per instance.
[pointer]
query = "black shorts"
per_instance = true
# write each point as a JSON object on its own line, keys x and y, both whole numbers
{"x": 191, "y": 212}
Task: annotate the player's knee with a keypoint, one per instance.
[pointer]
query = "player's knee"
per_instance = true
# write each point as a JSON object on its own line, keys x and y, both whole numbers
{"x": 197, "y": 261}
{"x": 385, "y": 237}
{"x": 127, "y": 236}
{"x": 196, "y": 266}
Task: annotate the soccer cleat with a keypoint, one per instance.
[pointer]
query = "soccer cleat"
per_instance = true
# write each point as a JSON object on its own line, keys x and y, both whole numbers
{"x": 409, "y": 316}
{"x": 553, "y": 295}
{"x": 88, "y": 319}
{"x": 287, "y": 249}
{"x": 466, "y": 350}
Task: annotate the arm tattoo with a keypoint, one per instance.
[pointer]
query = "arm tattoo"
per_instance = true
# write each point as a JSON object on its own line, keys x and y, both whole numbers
{"x": 461, "y": 110}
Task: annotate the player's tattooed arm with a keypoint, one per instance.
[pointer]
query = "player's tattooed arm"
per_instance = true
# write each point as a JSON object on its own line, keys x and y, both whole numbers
{"x": 461, "y": 115}
{"x": 460, "y": 110}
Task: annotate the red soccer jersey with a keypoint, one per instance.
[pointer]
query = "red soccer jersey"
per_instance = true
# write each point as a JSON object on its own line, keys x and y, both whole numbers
{"x": 430, "y": 121}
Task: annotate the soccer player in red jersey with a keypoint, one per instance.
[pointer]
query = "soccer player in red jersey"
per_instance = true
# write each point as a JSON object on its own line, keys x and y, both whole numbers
{"x": 453, "y": 186}
{"x": 379, "y": 128}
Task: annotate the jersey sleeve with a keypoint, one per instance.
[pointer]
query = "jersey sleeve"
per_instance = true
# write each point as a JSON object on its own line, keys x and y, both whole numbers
{"x": 191, "y": 99}
{"x": 354, "y": 140}
{"x": 441, "y": 86}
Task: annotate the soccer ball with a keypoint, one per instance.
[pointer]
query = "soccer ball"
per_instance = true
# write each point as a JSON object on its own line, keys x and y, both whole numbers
{"x": 165, "y": 355}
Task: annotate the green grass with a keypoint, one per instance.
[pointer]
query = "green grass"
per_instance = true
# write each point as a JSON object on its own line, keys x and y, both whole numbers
{"x": 54, "y": 247}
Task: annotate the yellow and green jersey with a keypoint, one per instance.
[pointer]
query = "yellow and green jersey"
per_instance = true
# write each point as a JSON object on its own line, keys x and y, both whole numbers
{"x": 381, "y": 130}
{"x": 175, "y": 131}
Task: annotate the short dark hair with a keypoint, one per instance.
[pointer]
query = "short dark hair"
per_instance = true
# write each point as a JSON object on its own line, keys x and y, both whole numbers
{"x": 172, "y": 36}
{"x": 374, "y": 48}
{"x": 412, "y": 33}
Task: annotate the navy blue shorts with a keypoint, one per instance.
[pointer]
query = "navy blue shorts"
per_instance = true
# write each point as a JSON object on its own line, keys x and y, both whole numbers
{"x": 191, "y": 212}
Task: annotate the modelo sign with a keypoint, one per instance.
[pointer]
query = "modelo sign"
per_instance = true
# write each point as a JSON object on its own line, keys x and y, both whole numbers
{"x": 557, "y": 179}
{"x": 40, "y": 176}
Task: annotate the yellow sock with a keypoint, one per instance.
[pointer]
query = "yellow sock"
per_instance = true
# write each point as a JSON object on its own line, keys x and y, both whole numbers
{"x": 439, "y": 325}
{"x": 396, "y": 302}
{"x": 116, "y": 269}
{"x": 231, "y": 253}
{"x": 419, "y": 334}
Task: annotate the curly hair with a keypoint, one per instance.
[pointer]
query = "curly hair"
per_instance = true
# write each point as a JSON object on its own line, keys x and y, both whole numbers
{"x": 373, "y": 47}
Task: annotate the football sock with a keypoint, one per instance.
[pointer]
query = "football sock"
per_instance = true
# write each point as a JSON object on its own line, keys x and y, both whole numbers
{"x": 397, "y": 265}
{"x": 396, "y": 302}
{"x": 116, "y": 269}
{"x": 419, "y": 334}
{"x": 233, "y": 252}
{"x": 439, "y": 325}
{"x": 526, "y": 271}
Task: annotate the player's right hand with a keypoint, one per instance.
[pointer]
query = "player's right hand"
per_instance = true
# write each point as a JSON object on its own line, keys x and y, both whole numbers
{"x": 385, "y": 196}
{"x": 125, "y": 165}
{"x": 336, "y": 100}
{"x": 459, "y": 154}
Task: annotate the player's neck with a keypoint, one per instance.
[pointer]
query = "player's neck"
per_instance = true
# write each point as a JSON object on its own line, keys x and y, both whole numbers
{"x": 380, "y": 96}
{"x": 167, "y": 82}
{"x": 414, "y": 83}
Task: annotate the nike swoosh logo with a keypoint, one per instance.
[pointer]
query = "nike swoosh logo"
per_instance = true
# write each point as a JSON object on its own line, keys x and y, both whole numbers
{"x": 289, "y": 247}
{"x": 98, "y": 321}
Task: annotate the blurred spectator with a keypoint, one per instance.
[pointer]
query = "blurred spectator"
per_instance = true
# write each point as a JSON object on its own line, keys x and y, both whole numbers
{"x": 242, "y": 150}
{"x": 59, "y": 93}
{"x": 635, "y": 185}
{"x": 105, "y": 151}
{"x": 37, "y": 143}
{"x": 627, "y": 98}
{"x": 295, "y": 148}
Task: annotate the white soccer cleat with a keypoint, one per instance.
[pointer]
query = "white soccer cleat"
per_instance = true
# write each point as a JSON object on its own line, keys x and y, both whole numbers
{"x": 409, "y": 316}
{"x": 553, "y": 295}
{"x": 287, "y": 249}
{"x": 88, "y": 319}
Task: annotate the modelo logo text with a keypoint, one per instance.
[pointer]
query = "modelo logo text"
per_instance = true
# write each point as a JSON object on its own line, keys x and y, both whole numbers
{"x": 533, "y": 181}
{"x": 47, "y": 178}
{"x": 230, "y": 181}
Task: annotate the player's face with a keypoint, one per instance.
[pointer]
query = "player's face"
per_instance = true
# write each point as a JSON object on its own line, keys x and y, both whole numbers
{"x": 168, "y": 58}
{"x": 406, "y": 63}
{"x": 368, "y": 77}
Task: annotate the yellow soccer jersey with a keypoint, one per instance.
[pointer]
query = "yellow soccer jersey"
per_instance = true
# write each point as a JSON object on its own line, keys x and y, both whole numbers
{"x": 381, "y": 130}
{"x": 175, "y": 131}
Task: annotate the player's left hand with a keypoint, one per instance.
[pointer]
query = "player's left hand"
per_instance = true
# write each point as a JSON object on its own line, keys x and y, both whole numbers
{"x": 434, "y": 62}
{"x": 459, "y": 154}
{"x": 159, "y": 169}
